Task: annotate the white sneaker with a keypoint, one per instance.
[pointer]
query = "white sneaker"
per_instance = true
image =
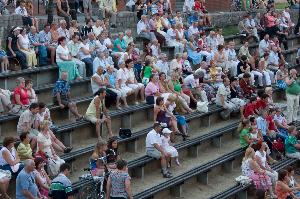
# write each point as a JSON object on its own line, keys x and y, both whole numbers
{"x": 78, "y": 11}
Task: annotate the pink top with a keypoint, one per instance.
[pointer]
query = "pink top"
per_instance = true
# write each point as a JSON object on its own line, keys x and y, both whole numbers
{"x": 151, "y": 89}
{"x": 270, "y": 21}
{"x": 24, "y": 98}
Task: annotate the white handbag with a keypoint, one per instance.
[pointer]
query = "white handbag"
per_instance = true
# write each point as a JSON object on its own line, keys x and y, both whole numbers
{"x": 202, "y": 107}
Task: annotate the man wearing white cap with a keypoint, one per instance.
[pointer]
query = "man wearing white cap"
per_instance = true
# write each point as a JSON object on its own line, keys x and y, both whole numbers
{"x": 154, "y": 148}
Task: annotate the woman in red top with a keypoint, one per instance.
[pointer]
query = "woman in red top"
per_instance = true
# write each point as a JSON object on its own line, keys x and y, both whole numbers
{"x": 20, "y": 96}
{"x": 250, "y": 108}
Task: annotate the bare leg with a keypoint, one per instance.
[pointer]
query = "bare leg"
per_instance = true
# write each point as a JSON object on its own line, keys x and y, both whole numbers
{"x": 118, "y": 102}
{"x": 73, "y": 108}
{"x": 2, "y": 66}
{"x": 33, "y": 143}
{"x": 98, "y": 125}
{"x": 57, "y": 144}
{"x": 108, "y": 126}
{"x": 52, "y": 54}
{"x": 142, "y": 91}
{"x": 125, "y": 101}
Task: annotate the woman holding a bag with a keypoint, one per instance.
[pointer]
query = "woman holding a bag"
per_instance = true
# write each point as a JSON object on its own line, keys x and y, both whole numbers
{"x": 9, "y": 159}
{"x": 45, "y": 148}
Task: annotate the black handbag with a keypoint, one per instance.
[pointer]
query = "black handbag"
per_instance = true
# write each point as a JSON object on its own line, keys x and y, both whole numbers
{"x": 125, "y": 133}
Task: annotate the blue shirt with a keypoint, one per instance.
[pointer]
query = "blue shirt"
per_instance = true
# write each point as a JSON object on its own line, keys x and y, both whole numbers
{"x": 62, "y": 87}
{"x": 111, "y": 79}
{"x": 26, "y": 181}
{"x": 262, "y": 125}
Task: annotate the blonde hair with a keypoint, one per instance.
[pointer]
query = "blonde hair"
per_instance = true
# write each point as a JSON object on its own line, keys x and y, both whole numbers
{"x": 248, "y": 153}
{"x": 43, "y": 125}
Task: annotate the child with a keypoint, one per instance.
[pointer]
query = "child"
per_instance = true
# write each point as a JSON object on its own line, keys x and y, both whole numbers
{"x": 4, "y": 60}
{"x": 167, "y": 148}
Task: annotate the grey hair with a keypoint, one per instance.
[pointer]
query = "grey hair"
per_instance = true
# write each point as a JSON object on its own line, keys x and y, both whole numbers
{"x": 127, "y": 31}
{"x": 19, "y": 80}
{"x": 177, "y": 55}
{"x": 27, "y": 162}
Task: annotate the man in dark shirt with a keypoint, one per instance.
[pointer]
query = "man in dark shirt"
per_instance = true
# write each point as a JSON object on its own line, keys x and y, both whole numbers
{"x": 61, "y": 186}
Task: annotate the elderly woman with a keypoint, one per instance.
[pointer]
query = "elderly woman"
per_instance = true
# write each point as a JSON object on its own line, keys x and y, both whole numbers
{"x": 64, "y": 60}
{"x": 30, "y": 92}
{"x": 14, "y": 49}
{"x": 172, "y": 39}
{"x": 132, "y": 82}
{"x": 112, "y": 84}
{"x": 120, "y": 44}
{"x": 9, "y": 159}
{"x": 45, "y": 146}
{"x": 25, "y": 47}
{"x": 20, "y": 98}
{"x": 251, "y": 169}
{"x": 192, "y": 51}
{"x": 122, "y": 78}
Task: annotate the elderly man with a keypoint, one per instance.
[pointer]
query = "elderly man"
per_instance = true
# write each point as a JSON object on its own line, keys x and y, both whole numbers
{"x": 39, "y": 47}
{"x": 154, "y": 148}
{"x": 143, "y": 29}
{"x": 63, "y": 31}
{"x": 292, "y": 96}
{"x": 109, "y": 10}
{"x": 74, "y": 46}
{"x": 62, "y": 96}
{"x": 45, "y": 39}
{"x": 128, "y": 37}
{"x": 26, "y": 186}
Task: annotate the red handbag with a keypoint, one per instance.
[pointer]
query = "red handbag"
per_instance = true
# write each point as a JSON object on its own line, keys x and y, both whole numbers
{"x": 278, "y": 145}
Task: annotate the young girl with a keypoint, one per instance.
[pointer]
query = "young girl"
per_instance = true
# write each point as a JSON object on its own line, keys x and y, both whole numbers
{"x": 3, "y": 60}
{"x": 98, "y": 159}
{"x": 112, "y": 152}
{"x": 167, "y": 148}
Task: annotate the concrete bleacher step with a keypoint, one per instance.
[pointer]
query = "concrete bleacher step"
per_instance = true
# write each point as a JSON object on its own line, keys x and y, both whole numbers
{"x": 244, "y": 192}
{"x": 134, "y": 114}
{"x": 141, "y": 168}
{"x": 153, "y": 185}
{"x": 136, "y": 142}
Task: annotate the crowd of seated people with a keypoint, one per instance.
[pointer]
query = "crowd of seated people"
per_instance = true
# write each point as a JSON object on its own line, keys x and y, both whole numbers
{"x": 204, "y": 68}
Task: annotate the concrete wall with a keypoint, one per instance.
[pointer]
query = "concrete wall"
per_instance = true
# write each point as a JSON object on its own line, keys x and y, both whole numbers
{"x": 129, "y": 20}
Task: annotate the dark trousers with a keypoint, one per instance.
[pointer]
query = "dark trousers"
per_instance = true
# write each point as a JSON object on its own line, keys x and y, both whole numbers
{"x": 89, "y": 66}
{"x": 21, "y": 57}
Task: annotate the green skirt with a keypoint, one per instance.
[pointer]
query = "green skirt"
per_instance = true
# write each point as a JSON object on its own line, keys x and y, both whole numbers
{"x": 70, "y": 67}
